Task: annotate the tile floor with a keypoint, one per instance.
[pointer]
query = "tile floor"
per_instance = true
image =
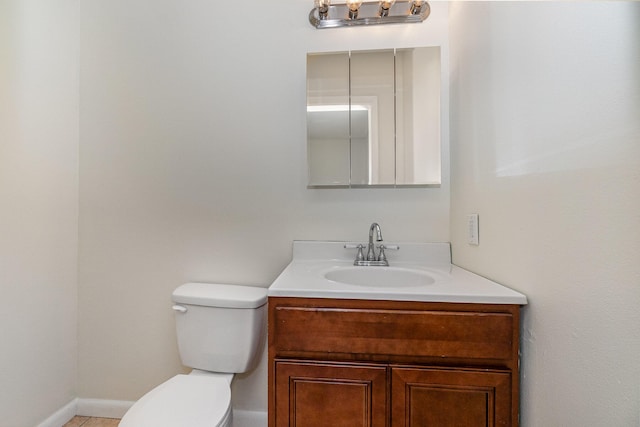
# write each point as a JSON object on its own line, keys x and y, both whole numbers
{"x": 92, "y": 422}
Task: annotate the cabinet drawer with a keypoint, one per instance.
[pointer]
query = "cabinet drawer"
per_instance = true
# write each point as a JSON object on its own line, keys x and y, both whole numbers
{"x": 387, "y": 332}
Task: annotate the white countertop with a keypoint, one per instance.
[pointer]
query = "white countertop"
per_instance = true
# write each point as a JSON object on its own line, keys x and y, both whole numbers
{"x": 304, "y": 276}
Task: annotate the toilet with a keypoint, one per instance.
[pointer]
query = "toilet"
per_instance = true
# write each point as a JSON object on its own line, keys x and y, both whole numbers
{"x": 221, "y": 331}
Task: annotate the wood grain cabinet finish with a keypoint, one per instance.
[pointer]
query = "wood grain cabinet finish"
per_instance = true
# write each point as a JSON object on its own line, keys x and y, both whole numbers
{"x": 329, "y": 394}
{"x": 368, "y": 363}
{"x": 441, "y": 397}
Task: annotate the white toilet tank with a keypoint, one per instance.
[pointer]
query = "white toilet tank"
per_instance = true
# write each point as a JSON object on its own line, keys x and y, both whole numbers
{"x": 220, "y": 328}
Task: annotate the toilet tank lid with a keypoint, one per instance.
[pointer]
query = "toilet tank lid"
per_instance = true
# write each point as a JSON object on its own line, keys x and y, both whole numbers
{"x": 219, "y": 295}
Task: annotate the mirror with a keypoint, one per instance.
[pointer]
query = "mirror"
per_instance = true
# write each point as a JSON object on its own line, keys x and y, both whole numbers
{"x": 373, "y": 118}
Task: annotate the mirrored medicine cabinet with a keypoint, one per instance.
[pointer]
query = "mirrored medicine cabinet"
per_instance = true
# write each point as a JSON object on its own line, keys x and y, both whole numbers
{"x": 373, "y": 118}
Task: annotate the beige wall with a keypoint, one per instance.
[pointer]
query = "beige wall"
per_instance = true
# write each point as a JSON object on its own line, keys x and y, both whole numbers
{"x": 193, "y": 167}
{"x": 545, "y": 137}
{"x": 38, "y": 208}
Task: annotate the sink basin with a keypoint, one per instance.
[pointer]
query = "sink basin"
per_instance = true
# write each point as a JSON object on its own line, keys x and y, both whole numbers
{"x": 380, "y": 277}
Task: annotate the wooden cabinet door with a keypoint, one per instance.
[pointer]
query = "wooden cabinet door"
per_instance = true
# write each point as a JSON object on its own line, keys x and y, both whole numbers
{"x": 450, "y": 397}
{"x": 330, "y": 395}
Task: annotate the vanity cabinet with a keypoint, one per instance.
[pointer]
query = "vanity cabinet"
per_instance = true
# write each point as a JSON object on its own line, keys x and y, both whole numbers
{"x": 351, "y": 363}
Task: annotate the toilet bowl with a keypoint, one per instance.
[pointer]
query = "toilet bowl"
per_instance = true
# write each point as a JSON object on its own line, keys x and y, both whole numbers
{"x": 221, "y": 330}
{"x": 194, "y": 400}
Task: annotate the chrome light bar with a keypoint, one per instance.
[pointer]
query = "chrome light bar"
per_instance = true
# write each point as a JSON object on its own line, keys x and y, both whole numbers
{"x": 346, "y": 15}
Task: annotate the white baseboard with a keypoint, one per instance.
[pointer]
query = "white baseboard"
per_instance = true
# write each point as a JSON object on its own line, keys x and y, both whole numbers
{"x": 103, "y": 408}
{"x": 61, "y": 416}
{"x": 117, "y": 408}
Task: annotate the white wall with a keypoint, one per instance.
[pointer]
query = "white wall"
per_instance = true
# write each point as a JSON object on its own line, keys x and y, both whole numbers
{"x": 38, "y": 208}
{"x": 545, "y": 137}
{"x": 193, "y": 167}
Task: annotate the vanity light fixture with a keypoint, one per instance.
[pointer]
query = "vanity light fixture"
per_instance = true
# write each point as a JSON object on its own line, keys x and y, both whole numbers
{"x": 355, "y": 12}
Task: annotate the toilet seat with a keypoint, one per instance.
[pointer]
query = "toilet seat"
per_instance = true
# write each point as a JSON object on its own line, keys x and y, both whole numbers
{"x": 184, "y": 400}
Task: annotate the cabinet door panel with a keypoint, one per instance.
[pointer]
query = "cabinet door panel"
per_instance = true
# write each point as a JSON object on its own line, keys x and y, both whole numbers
{"x": 450, "y": 398}
{"x": 330, "y": 395}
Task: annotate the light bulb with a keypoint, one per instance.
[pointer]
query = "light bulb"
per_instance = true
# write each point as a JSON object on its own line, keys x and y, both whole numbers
{"x": 416, "y": 6}
{"x": 385, "y": 5}
{"x": 323, "y": 8}
{"x": 354, "y": 4}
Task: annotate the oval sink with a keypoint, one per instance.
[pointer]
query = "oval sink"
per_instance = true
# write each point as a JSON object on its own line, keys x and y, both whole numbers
{"x": 380, "y": 277}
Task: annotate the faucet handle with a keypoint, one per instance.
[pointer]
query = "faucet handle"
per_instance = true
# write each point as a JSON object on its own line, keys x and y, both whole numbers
{"x": 359, "y": 247}
{"x": 392, "y": 247}
{"x": 381, "y": 255}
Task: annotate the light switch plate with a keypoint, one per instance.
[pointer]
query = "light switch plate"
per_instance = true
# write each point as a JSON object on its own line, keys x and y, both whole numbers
{"x": 472, "y": 229}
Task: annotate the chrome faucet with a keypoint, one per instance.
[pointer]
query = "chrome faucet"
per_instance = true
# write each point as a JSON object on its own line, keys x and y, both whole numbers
{"x": 371, "y": 252}
{"x": 372, "y": 259}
